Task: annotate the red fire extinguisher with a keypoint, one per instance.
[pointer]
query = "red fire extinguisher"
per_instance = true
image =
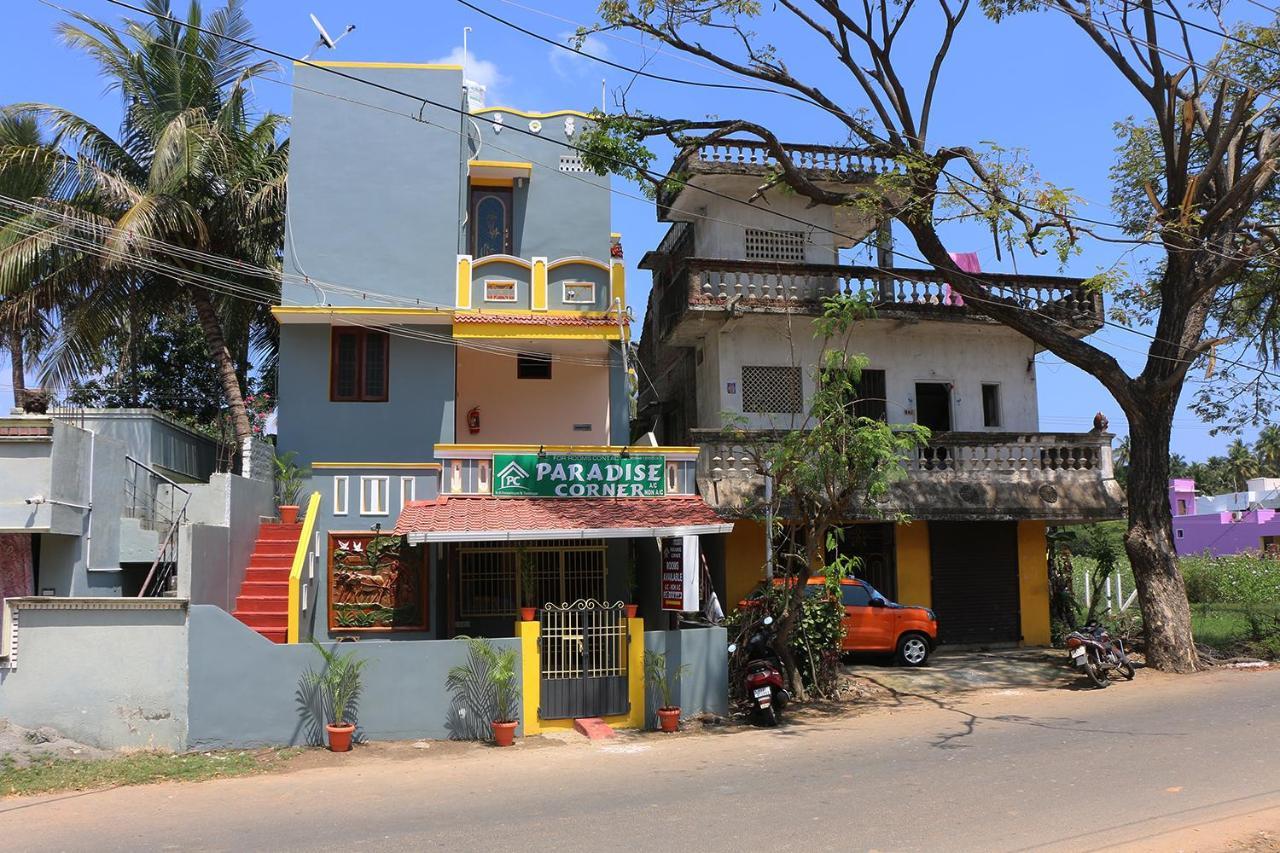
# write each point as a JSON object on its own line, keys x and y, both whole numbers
{"x": 473, "y": 420}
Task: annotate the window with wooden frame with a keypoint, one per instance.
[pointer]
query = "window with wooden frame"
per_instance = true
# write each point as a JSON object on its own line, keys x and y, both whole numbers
{"x": 579, "y": 293}
{"x": 868, "y": 394}
{"x": 499, "y": 290}
{"x": 373, "y": 495}
{"x": 359, "y": 366}
{"x": 991, "y": 405}
{"x": 341, "y": 494}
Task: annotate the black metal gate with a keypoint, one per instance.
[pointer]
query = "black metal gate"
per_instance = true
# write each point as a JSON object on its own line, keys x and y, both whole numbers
{"x": 584, "y": 660}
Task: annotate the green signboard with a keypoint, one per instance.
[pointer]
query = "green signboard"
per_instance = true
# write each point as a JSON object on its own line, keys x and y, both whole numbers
{"x": 578, "y": 475}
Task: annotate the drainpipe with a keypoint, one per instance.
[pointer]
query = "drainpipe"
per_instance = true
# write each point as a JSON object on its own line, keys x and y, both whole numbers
{"x": 768, "y": 528}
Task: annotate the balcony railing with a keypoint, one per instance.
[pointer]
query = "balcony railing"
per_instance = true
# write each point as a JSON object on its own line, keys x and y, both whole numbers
{"x": 752, "y": 157}
{"x": 769, "y": 286}
{"x": 959, "y": 474}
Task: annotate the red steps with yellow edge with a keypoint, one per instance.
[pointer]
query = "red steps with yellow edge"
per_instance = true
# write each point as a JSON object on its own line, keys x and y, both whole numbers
{"x": 263, "y": 603}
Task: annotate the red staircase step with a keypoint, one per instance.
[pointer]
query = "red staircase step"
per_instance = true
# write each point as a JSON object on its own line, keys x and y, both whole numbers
{"x": 263, "y": 603}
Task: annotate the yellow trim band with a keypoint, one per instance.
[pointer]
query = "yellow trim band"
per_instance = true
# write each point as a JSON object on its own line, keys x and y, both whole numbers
{"x": 424, "y": 466}
{"x": 287, "y": 310}
{"x": 508, "y": 259}
{"x": 295, "y": 572}
{"x": 618, "y": 285}
{"x": 499, "y": 164}
{"x": 524, "y": 114}
{"x": 522, "y": 331}
{"x": 588, "y": 262}
{"x": 567, "y": 448}
{"x": 428, "y": 66}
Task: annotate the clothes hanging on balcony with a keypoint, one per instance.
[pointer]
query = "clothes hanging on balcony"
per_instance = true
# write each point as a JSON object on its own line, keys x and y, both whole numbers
{"x": 967, "y": 261}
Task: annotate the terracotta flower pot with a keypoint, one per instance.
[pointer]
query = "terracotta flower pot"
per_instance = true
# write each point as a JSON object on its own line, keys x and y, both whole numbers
{"x": 340, "y": 737}
{"x": 669, "y": 719}
{"x": 528, "y": 614}
{"x": 504, "y": 734}
{"x": 288, "y": 514}
{"x": 632, "y": 610}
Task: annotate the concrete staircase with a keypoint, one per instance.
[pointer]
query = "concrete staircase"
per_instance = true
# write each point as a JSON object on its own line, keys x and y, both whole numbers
{"x": 263, "y": 603}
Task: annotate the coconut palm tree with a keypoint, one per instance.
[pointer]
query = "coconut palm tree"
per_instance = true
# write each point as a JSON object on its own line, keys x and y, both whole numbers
{"x": 193, "y": 169}
{"x": 24, "y": 326}
{"x": 1267, "y": 448}
{"x": 1241, "y": 464}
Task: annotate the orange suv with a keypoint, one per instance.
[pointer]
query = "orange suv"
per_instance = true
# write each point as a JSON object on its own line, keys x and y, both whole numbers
{"x": 873, "y": 623}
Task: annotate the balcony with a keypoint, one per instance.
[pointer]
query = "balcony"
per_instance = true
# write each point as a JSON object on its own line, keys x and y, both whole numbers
{"x": 993, "y": 476}
{"x": 698, "y": 287}
{"x": 754, "y": 159}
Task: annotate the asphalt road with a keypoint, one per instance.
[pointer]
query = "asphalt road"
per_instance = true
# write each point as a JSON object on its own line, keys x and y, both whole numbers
{"x": 1161, "y": 763}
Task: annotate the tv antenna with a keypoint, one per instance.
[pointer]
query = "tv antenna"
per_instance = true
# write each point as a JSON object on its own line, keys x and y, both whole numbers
{"x": 325, "y": 39}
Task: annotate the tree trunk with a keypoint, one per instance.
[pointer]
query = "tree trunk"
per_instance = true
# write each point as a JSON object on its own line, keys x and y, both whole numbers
{"x": 1166, "y": 615}
{"x": 17, "y": 365}
{"x": 223, "y": 363}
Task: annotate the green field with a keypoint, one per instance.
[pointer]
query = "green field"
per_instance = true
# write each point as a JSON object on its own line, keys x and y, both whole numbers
{"x": 44, "y": 775}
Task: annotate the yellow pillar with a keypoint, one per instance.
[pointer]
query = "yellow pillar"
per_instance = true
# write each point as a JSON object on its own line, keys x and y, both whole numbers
{"x": 635, "y": 674}
{"x": 1033, "y": 583}
{"x": 743, "y": 561}
{"x": 915, "y": 576}
{"x": 538, "y": 288}
{"x": 464, "y": 281}
{"x": 531, "y": 674}
{"x": 618, "y": 283}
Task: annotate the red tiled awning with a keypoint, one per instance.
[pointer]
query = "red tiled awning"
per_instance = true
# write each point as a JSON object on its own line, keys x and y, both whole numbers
{"x": 488, "y": 519}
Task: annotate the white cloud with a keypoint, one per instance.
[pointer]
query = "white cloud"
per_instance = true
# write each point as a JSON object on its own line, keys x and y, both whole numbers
{"x": 567, "y": 64}
{"x": 482, "y": 71}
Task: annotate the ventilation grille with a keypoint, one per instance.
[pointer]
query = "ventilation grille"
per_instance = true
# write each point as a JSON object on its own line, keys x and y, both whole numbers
{"x": 765, "y": 245}
{"x": 771, "y": 390}
{"x": 571, "y": 163}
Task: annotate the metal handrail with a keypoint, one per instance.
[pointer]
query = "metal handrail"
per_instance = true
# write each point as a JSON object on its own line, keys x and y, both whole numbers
{"x": 305, "y": 549}
{"x": 144, "y": 466}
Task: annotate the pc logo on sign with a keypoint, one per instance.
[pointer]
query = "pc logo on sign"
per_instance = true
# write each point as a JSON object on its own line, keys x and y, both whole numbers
{"x": 512, "y": 477}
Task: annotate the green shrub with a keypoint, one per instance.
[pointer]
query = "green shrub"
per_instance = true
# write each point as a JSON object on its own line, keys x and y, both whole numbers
{"x": 1247, "y": 585}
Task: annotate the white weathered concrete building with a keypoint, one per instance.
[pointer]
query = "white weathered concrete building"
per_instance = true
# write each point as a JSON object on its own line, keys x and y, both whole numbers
{"x": 728, "y": 339}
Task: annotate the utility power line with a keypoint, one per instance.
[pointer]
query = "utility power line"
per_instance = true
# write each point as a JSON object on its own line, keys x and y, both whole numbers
{"x": 808, "y": 224}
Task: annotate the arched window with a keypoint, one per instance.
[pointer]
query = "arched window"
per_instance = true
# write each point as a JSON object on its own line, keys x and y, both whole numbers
{"x": 490, "y": 221}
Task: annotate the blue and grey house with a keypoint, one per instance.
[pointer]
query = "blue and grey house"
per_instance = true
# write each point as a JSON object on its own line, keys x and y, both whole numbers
{"x": 454, "y": 371}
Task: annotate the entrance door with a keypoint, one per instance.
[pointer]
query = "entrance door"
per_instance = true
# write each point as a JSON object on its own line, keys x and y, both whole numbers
{"x": 584, "y": 661}
{"x": 933, "y": 405}
{"x": 975, "y": 581}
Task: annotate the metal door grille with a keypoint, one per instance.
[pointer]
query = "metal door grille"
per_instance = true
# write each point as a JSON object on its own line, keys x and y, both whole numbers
{"x": 564, "y": 570}
{"x": 584, "y": 660}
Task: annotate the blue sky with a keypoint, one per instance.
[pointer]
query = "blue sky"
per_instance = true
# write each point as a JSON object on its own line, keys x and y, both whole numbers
{"x": 1031, "y": 82}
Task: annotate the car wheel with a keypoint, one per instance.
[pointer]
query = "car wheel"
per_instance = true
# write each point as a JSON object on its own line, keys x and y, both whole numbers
{"x": 913, "y": 650}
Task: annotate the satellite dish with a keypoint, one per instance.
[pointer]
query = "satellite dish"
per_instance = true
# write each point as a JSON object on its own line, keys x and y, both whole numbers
{"x": 325, "y": 39}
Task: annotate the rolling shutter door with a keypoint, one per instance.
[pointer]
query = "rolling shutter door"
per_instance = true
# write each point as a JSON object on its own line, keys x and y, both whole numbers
{"x": 975, "y": 581}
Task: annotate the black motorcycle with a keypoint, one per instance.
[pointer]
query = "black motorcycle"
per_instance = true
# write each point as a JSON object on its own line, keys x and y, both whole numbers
{"x": 764, "y": 685}
{"x": 1098, "y": 654}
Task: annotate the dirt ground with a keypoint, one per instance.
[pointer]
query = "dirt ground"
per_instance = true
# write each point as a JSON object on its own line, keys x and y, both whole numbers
{"x": 21, "y": 745}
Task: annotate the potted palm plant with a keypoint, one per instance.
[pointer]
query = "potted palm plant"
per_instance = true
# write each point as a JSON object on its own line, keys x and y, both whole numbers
{"x": 495, "y": 669}
{"x": 528, "y": 586}
{"x": 662, "y": 683}
{"x": 338, "y": 685}
{"x": 289, "y": 477}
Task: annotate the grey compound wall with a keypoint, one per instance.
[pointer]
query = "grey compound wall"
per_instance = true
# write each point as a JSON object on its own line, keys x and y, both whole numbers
{"x": 109, "y": 674}
{"x": 705, "y": 686}
{"x": 244, "y": 689}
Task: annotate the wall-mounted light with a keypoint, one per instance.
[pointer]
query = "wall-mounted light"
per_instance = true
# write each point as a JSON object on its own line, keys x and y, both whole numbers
{"x": 542, "y": 451}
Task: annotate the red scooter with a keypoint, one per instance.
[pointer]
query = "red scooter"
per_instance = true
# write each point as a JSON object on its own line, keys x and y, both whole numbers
{"x": 765, "y": 690}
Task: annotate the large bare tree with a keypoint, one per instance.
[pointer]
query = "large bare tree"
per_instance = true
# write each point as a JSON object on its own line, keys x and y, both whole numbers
{"x": 1194, "y": 188}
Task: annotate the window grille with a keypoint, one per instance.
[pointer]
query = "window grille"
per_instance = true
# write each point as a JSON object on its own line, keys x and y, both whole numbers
{"x": 563, "y": 571}
{"x": 764, "y": 245}
{"x": 772, "y": 390}
{"x": 571, "y": 163}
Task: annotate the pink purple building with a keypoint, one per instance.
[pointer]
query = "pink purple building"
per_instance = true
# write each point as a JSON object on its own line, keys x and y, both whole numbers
{"x": 1226, "y": 524}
